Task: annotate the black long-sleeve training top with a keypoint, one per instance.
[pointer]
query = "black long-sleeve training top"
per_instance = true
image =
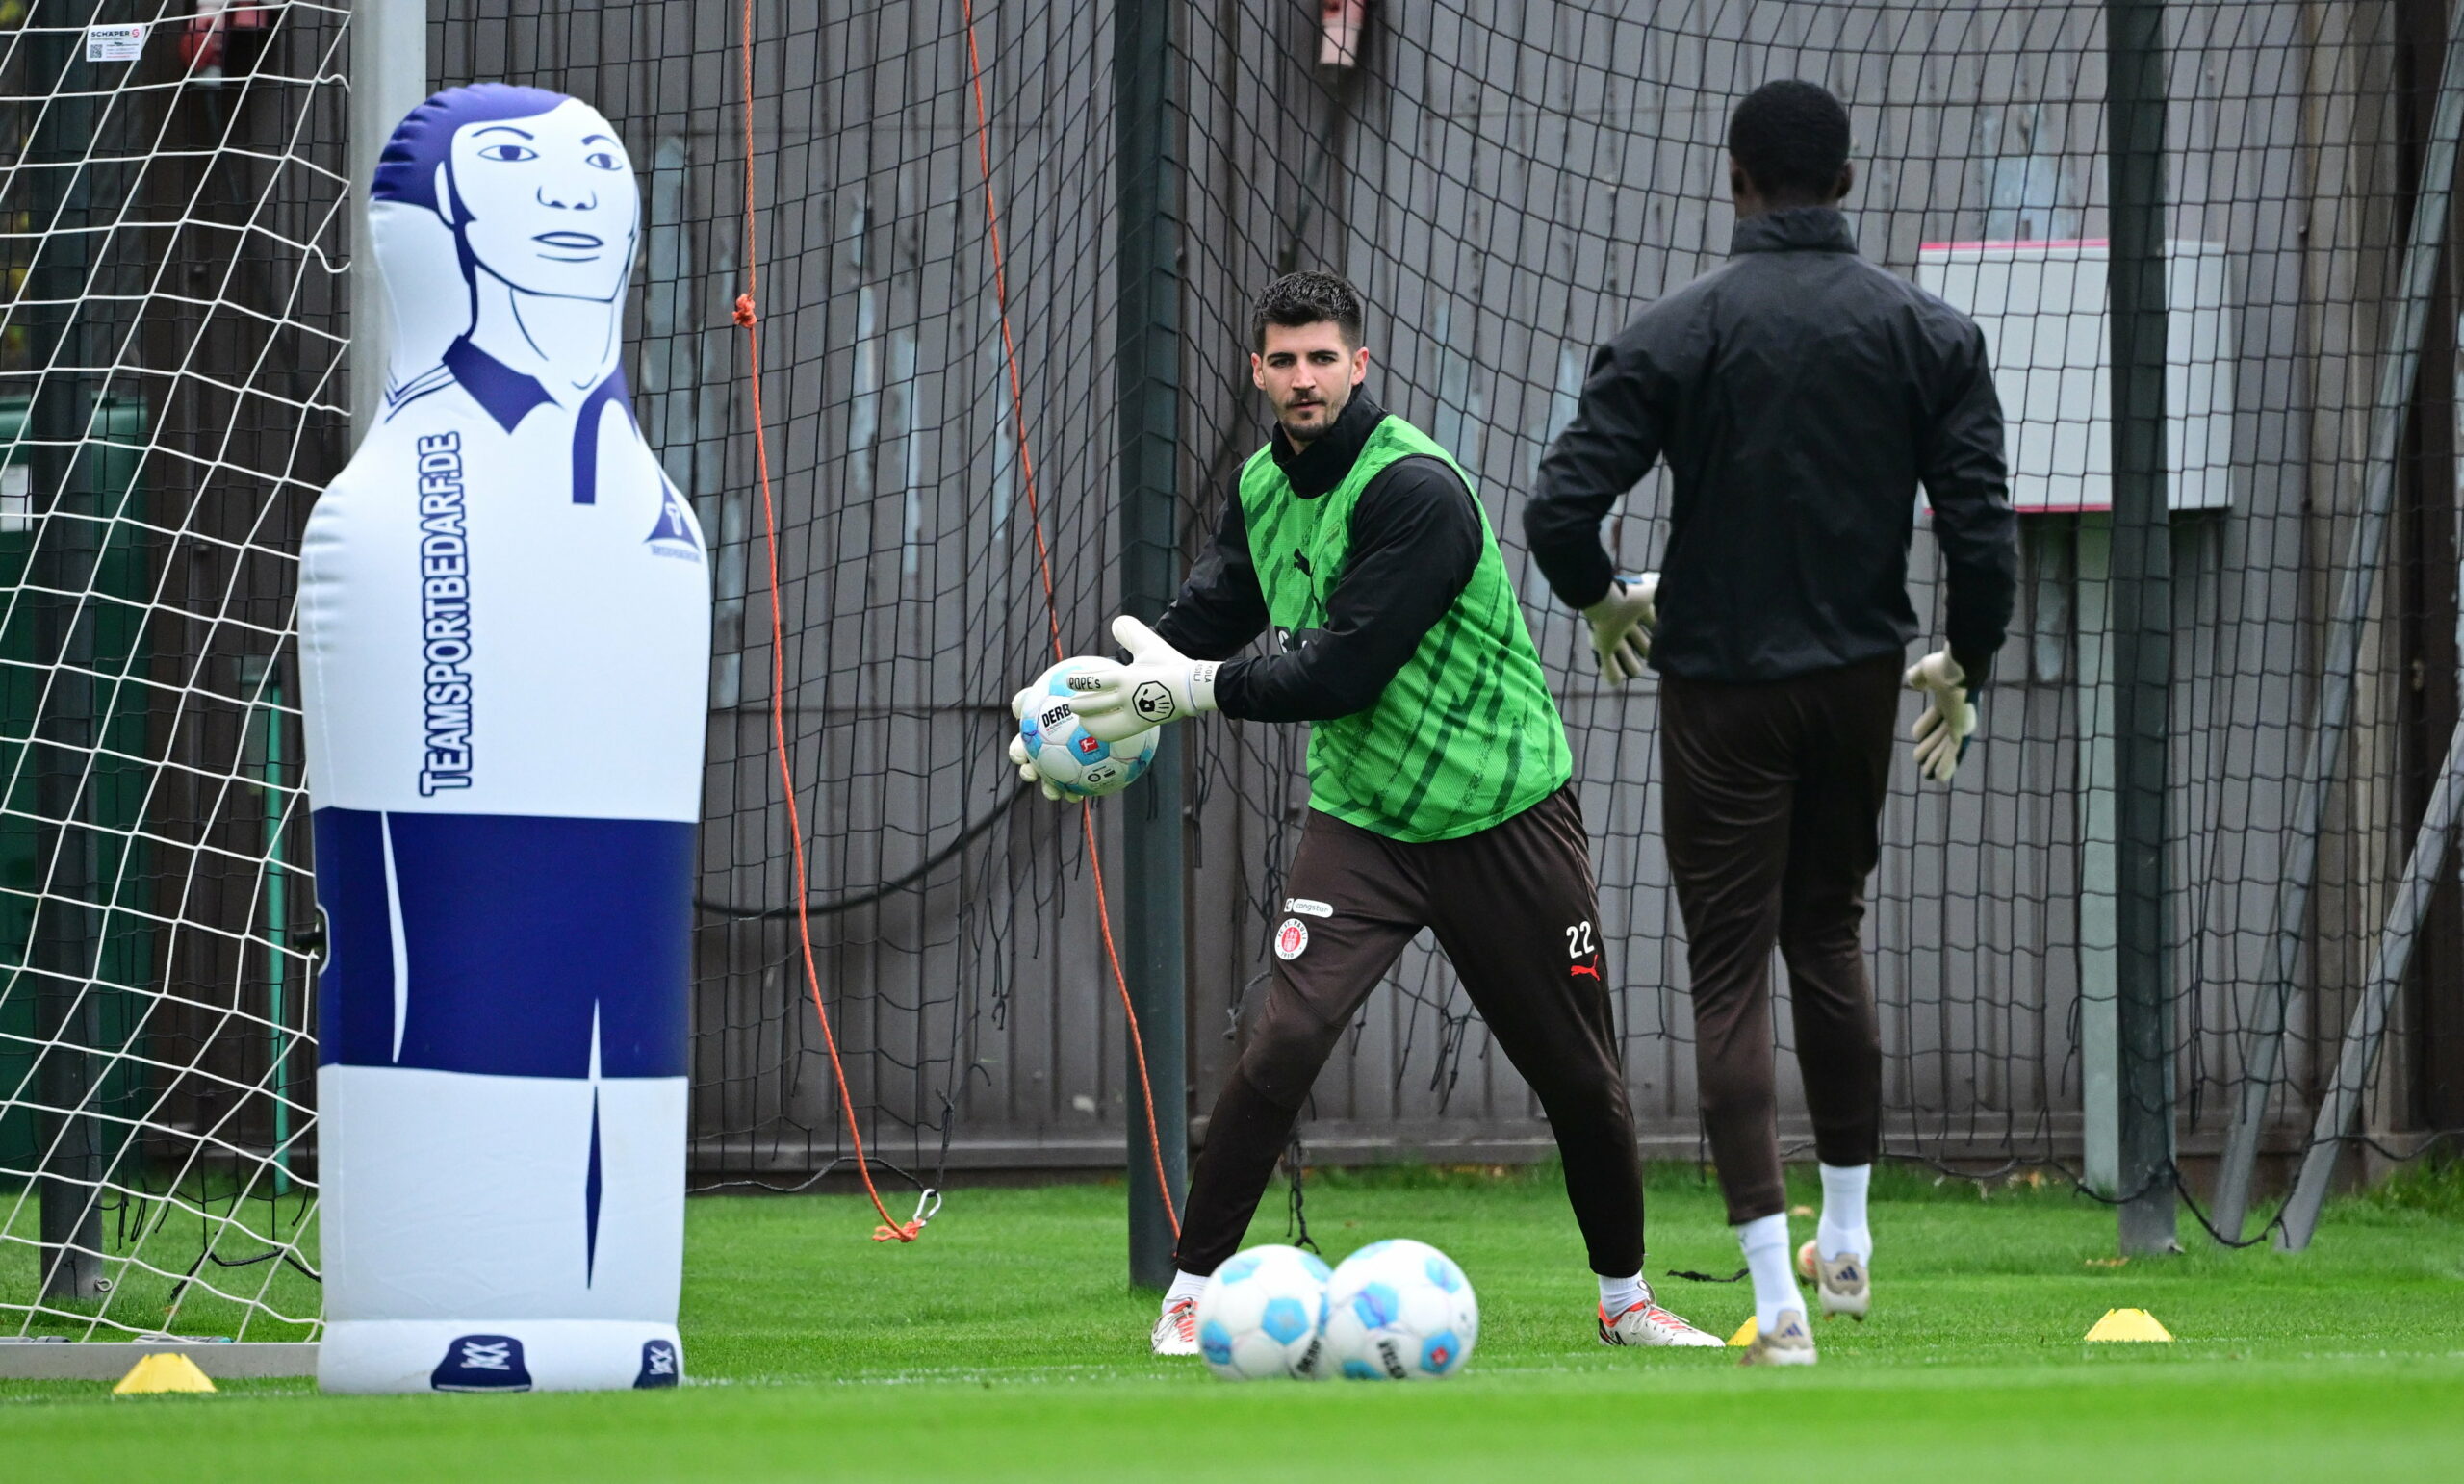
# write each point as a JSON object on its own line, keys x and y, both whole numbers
{"x": 1800, "y": 395}
{"x": 1415, "y": 537}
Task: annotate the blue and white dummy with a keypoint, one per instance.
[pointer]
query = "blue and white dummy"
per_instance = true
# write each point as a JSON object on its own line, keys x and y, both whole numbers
{"x": 504, "y": 638}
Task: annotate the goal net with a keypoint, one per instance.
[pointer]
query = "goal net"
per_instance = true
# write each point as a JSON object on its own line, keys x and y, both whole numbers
{"x": 171, "y": 221}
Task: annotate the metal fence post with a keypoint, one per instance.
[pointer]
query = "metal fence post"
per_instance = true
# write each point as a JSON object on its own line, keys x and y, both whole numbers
{"x": 66, "y": 931}
{"x": 2340, "y": 1104}
{"x": 2099, "y": 1103}
{"x": 2143, "y": 621}
{"x": 2398, "y": 361}
{"x": 388, "y": 79}
{"x": 1147, "y": 350}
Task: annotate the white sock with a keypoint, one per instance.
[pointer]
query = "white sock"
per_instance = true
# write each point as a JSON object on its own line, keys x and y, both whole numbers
{"x": 1185, "y": 1285}
{"x": 1843, "y": 1228}
{"x": 1619, "y": 1295}
{"x": 1765, "y": 1243}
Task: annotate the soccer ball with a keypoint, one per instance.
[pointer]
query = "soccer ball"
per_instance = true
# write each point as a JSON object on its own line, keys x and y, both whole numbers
{"x": 1078, "y": 765}
{"x": 1399, "y": 1311}
{"x": 1263, "y": 1315}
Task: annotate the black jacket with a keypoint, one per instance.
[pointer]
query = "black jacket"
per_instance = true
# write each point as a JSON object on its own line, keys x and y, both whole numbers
{"x": 1801, "y": 395}
{"x": 1416, "y": 538}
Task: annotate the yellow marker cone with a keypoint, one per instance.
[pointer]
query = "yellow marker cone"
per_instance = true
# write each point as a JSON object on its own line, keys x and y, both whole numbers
{"x": 1744, "y": 1335}
{"x": 166, "y": 1371}
{"x": 2128, "y": 1324}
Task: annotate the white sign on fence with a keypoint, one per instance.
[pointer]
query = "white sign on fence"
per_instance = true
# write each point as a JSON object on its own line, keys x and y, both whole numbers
{"x": 114, "y": 43}
{"x": 2042, "y": 306}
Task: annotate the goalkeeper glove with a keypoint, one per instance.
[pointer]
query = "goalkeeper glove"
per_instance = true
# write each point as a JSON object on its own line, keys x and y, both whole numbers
{"x": 1942, "y": 731}
{"x": 1622, "y": 624}
{"x": 1159, "y": 684}
{"x": 1027, "y": 771}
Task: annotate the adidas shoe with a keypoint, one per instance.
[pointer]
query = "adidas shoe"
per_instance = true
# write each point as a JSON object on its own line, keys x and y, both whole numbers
{"x": 1788, "y": 1343}
{"x": 1648, "y": 1323}
{"x": 1842, "y": 1281}
{"x": 1177, "y": 1329}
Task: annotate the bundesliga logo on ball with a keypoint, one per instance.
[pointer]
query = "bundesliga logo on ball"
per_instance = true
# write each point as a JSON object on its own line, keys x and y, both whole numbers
{"x": 1399, "y": 1311}
{"x": 1078, "y": 765}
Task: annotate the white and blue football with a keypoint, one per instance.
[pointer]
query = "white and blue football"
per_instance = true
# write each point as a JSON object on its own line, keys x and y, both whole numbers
{"x": 1078, "y": 765}
{"x": 1399, "y": 1311}
{"x": 1262, "y": 1316}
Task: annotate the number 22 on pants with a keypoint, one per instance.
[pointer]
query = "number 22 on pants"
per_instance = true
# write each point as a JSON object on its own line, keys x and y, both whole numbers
{"x": 1580, "y": 946}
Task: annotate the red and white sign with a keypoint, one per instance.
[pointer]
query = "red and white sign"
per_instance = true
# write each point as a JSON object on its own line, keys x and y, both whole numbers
{"x": 1340, "y": 24}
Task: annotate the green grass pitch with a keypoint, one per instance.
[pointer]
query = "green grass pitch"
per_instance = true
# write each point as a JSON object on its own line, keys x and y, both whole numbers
{"x": 1005, "y": 1346}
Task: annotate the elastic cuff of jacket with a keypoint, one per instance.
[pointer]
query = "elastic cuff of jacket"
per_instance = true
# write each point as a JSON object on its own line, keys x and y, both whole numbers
{"x": 1978, "y": 670}
{"x": 1230, "y": 696}
{"x": 1608, "y": 580}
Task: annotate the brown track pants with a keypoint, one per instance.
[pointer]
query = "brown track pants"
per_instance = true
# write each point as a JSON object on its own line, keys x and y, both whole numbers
{"x": 1514, "y": 908}
{"x": 1773, "y": 797}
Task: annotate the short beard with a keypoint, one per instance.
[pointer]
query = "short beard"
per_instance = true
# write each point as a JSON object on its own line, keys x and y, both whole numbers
{"x": 1334, "y": 411}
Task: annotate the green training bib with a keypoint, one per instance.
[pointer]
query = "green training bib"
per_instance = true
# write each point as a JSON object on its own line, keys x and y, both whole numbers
{"x": 1465, "y": 736}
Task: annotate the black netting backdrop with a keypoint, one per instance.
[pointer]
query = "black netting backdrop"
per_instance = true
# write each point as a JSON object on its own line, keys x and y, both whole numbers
{"x": 954, "y": 943}
{"x": 1507, "y": 183}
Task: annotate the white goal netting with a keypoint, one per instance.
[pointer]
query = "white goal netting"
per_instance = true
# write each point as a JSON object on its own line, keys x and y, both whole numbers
{"x": 172, "y": 192}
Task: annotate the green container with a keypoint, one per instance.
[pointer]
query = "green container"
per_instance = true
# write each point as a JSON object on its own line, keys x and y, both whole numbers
{"x": 108, "y": 464}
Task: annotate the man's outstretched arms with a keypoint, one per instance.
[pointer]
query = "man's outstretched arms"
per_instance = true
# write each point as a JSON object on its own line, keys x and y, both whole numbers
{"x": 1415, "y": 537}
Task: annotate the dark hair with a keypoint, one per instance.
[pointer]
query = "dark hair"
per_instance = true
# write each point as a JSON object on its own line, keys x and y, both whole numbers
{"x": 1297, "y": 299}
{"x": 1791, "y": 138}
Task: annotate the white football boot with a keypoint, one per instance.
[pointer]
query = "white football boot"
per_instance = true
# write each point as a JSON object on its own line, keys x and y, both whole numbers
{"x": 1177, "y": 1329}
{"x": 1843, "y": 1282}
{"x": 1648, "y": 1323}
{"x": 1788, "y": 1343}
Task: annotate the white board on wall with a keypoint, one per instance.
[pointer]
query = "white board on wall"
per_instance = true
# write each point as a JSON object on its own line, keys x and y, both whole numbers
{"x": 2042, "y": 306}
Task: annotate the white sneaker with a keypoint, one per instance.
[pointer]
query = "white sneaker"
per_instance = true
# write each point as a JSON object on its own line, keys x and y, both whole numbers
{"x": 1177, "y": 1329}
{"x": 1648, "y": 1323}
{"x": 1843, "y": 1282}
{"x": 1788, "y": 1343}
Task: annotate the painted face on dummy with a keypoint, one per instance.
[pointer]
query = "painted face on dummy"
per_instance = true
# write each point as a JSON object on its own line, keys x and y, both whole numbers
{"x": 548, "y": 202}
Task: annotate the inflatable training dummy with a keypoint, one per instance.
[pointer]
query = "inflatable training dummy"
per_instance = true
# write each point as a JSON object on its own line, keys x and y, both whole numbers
{"x": 504, "y": 639}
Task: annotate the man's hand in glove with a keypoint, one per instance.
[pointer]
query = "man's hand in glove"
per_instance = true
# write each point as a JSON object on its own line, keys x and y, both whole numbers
{"x": 1942, "y": 731}
{"x": 1027, "y": 770}
{"x": 1159, "y": 684}
{"x": 1622, "y": 624}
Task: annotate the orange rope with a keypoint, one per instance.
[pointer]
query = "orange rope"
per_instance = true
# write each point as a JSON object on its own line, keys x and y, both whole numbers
{"x": 749, "y": 320}
{"x": 1052, "y": 605}
{"x": 745, "y": 317}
